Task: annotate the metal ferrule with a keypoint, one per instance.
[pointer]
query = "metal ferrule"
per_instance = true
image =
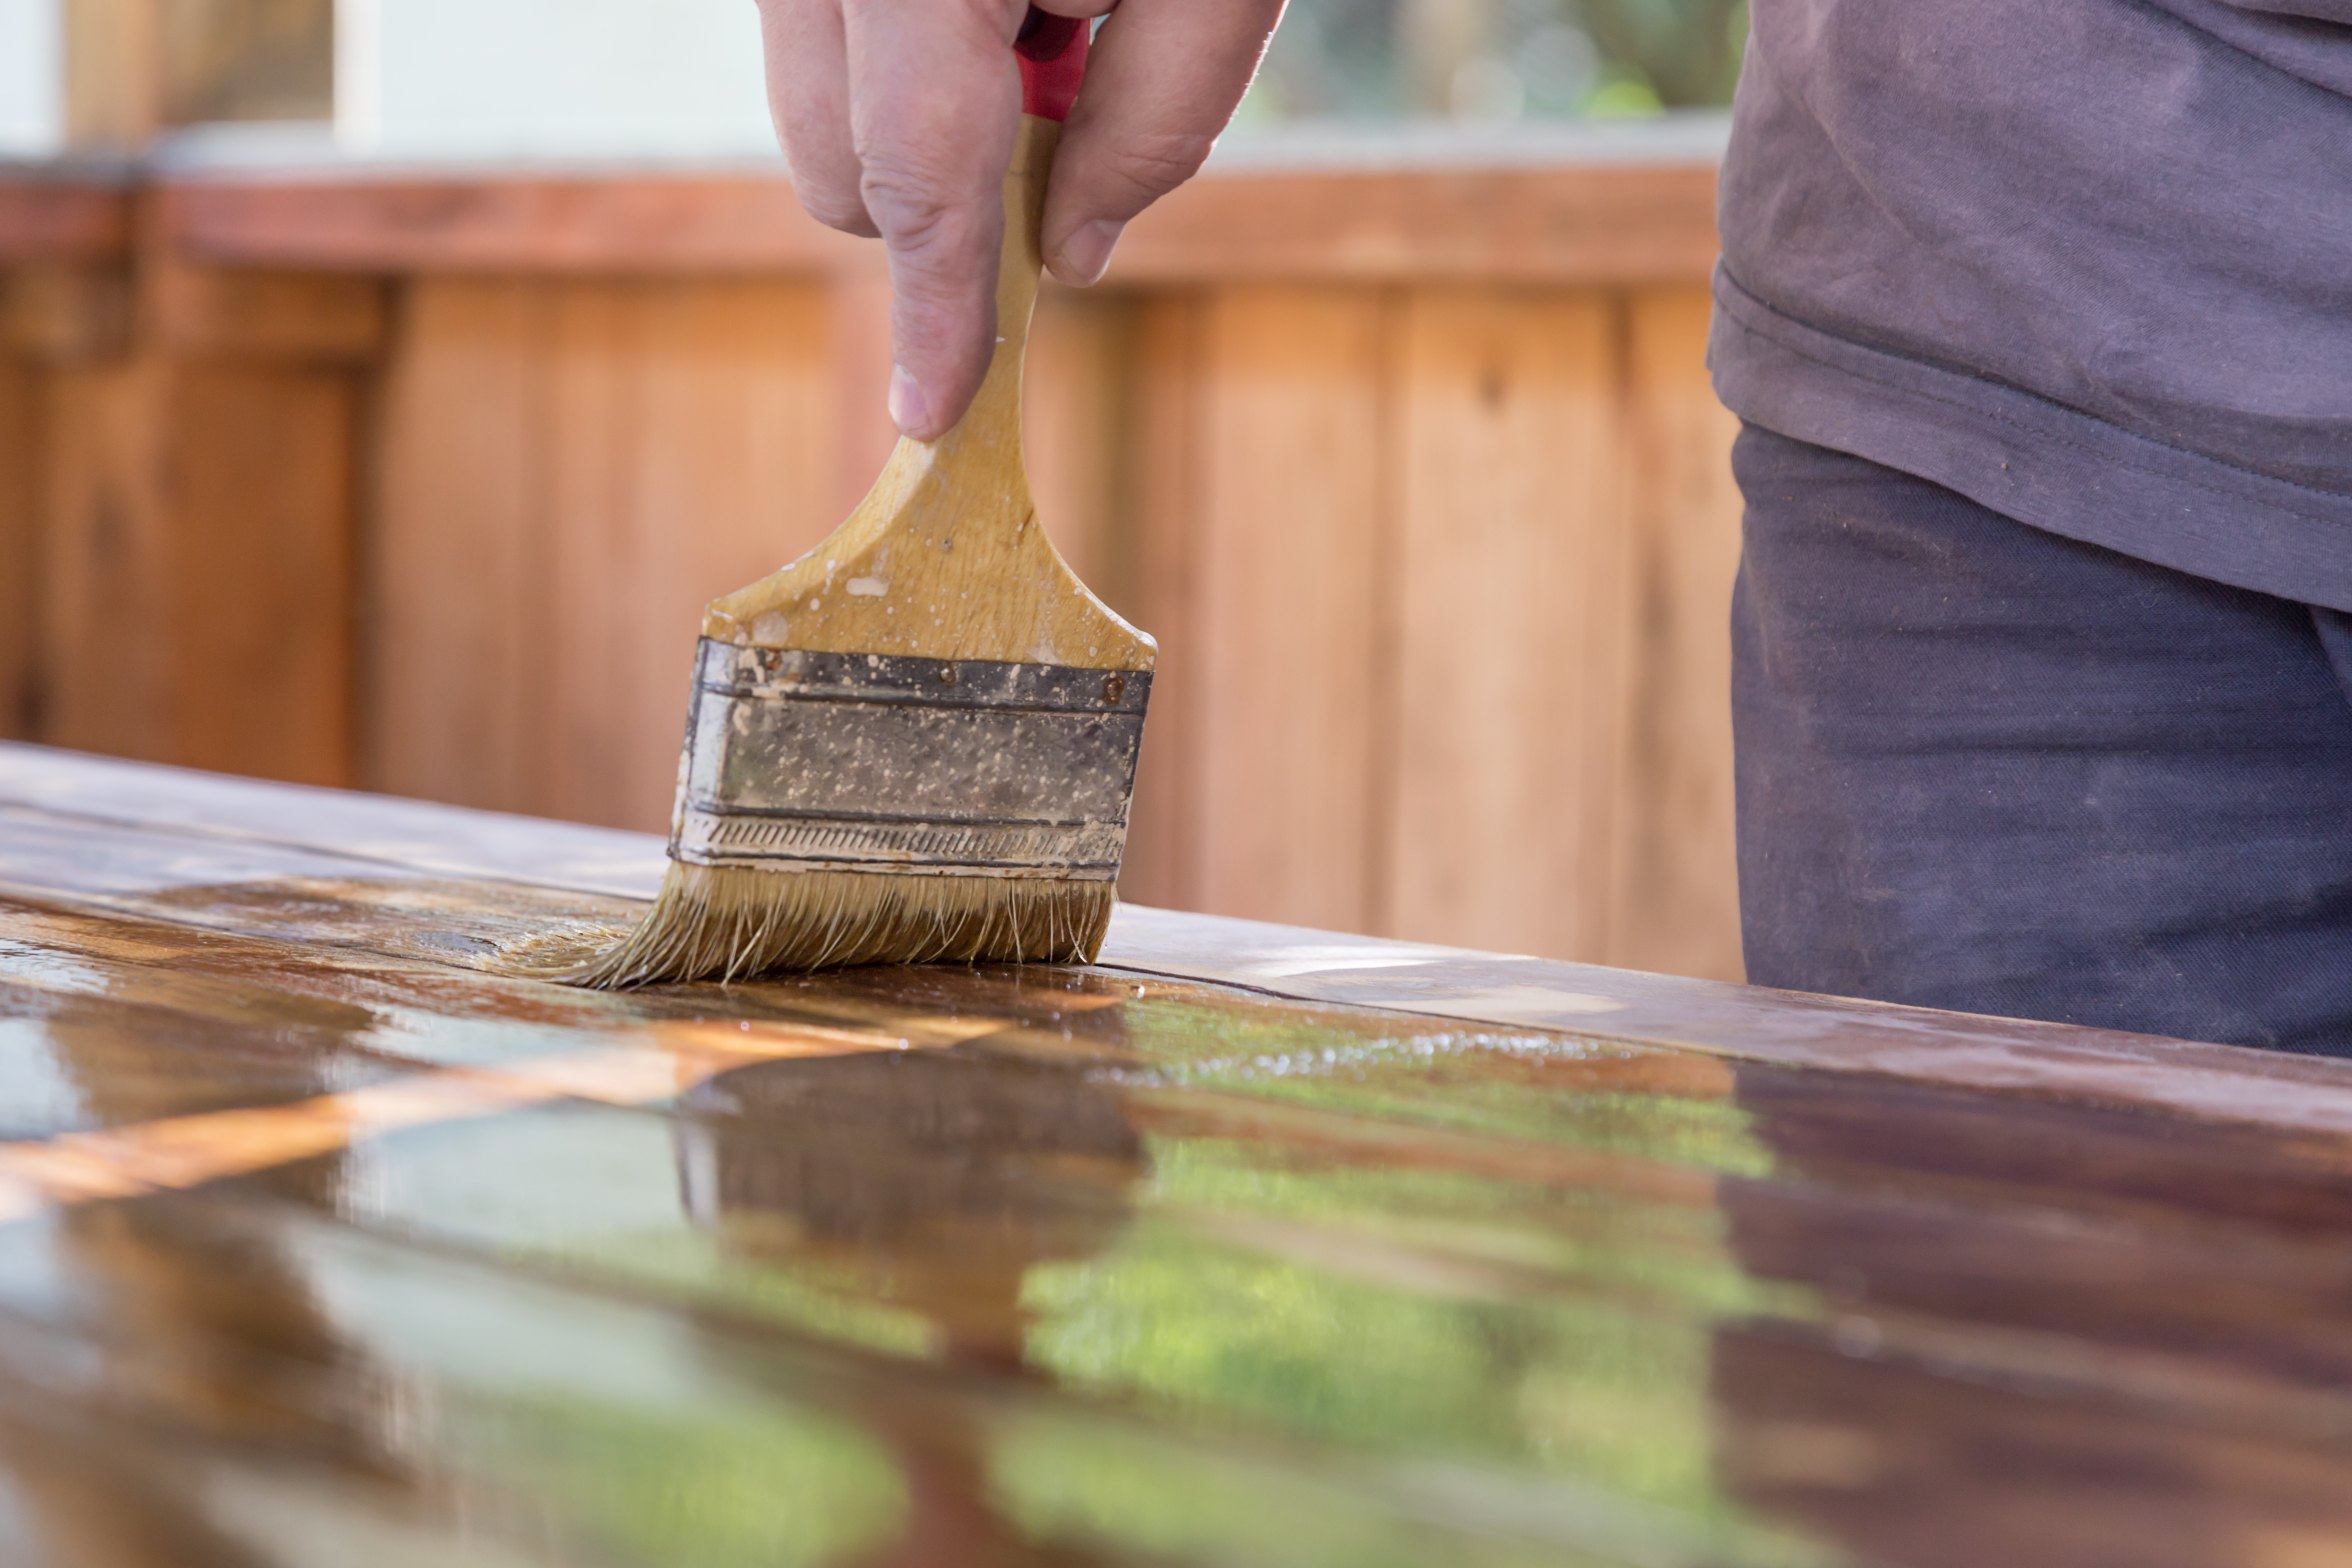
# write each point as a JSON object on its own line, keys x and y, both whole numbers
{"x": 799, "y": 760}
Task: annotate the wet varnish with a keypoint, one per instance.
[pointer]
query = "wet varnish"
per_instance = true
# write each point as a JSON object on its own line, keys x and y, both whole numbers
{"x": 319, "y": 1244}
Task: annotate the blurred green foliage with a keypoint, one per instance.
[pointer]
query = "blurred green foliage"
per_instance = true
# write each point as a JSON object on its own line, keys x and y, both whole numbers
{"x": 1500, "y": 60}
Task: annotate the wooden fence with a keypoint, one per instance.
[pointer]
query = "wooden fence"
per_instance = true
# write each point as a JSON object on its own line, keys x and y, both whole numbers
{"x": 419, "y": 482}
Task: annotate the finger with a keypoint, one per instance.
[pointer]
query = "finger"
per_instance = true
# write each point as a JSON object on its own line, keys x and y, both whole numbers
{"x": 808, "y": 99}
{"x": 935, "y": 97}
{"x": 1163, "y": 79}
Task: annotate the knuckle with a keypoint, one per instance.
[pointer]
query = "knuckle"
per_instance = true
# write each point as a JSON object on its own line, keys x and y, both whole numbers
{"x": 914, "y": 213}
{"x": 836, "y": 209}
{"x": 1152, "y": 163}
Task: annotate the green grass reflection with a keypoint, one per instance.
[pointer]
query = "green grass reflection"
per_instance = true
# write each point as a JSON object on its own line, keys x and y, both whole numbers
{"x": 770, "y": 1488}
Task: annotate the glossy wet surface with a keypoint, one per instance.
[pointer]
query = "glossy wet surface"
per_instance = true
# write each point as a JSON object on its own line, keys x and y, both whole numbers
{"x": 318, "y": 1246}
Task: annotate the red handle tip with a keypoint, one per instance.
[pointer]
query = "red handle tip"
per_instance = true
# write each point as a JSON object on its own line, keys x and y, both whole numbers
{"x": 1053, "y": 51}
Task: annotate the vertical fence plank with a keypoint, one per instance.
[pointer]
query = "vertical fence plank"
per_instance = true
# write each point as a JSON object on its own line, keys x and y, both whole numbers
{"x": 22, "y": 460}
{"x": 691, "y": 451}
{"x": 858, "y": 324}
{"x": 106, "y": 565}
{"x": 1676, "y": 895}
{"x": 260, "y": 471}
{"x": 1158, "y": 509}
{"x": 1287, "y": 653}
{"x": 1075, "y": 394}
{"x": 456, "y": 670}
{"x": 197, "y": 566}
{"x": 596, "y": 671}
{"x": 570, "y": 473}
{"x": 1510, "y": 660}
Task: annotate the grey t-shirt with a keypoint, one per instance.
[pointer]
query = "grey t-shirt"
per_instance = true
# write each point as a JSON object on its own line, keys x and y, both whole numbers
{"x": 2088, "y": 262}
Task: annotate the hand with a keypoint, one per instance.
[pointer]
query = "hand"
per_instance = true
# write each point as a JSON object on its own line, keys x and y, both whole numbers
{"x": 898, "y": 117}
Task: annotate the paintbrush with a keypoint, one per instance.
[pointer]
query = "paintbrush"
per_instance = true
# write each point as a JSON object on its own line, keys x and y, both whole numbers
{"x": 917, "y": 743}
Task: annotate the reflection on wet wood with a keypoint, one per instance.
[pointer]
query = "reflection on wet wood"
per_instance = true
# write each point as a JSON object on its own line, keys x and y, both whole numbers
{"x": 318, "y": 1244}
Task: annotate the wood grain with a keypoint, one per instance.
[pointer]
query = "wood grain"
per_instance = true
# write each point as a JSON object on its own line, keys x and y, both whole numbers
{"x": 589, "y": 224}
{"x": 1560, "y": 225}
{"x": 60, "y": 220}
{"x": 857, "y": 312}
{"x": 1674, "y": 897}
{"x": 568, "y": 475}
{"x": 107, "y": 564}
{"x": 452, "y": 683}
{"x": 1075, "y": 423}
{"x": 2009, "y": 1293}
{"x": 274, "y": 314}
{"x": 690, "y": 425}
{"x": 1286, "y": 665}
{"x": 1159, "y": 495}
{"x": 22, "y": 458}
{"x": 197, "y": 566}
{"x": 262, "y": 490}
{"x": 1509, "y": 656}
{"x": 65, "y": 313}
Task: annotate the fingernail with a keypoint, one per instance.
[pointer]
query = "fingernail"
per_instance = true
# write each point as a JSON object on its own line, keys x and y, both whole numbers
{"x": 1088, "y": 250}
{"x": 910, "y": 411}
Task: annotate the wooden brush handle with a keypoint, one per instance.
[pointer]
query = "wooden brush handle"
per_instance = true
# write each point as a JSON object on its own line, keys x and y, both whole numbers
{"x": 944, "y": 558}
{"x": 1053, "y": 54}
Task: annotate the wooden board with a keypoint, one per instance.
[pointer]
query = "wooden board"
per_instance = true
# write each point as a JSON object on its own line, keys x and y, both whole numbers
{"x": 1515, "y": 509}
{"x": 1509, "y": 660}
{"x": 197, "y": 564}
{"x": 62, "y": 219}
{"x": 595, "y": 224}
{"x": 1674, "y": 903}
{"x": 1159, "y": 499}
{"x": 1077, "y": 425}
{"x": 568, "y": 476}
{"x": 21, "y": 462}
{"x": 105, "y": 562}
{"x": 1287, "y": 653}
{"x": 1568, "y": 223}
{"x": 1252, "y": 1244}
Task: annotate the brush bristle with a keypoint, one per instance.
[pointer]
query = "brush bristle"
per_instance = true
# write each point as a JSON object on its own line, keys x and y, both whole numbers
{"x": 732, "y": 924}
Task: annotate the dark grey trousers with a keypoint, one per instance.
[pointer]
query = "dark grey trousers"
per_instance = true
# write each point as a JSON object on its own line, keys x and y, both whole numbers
{"x": 1984, "y": 767}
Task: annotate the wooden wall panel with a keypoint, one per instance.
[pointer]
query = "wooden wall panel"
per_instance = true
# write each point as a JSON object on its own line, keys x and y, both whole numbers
{"x": 107, "y": 565}
{"x": 197, "y": 567}
{"x": 260, "y": 468}
{"x": 1510, "y": 660}
{"x": 1075, "y": 395}
{"x": 693, "y": 427}
{"x": 21, "y": 461}
{"x": 1159, "y": 492}
{"x": 1514, "y": 509}
{"x": 570, "y": 472}
{"x": 1676, "y": 904}
{"x": 858, "y": 319}
{"x": 1284, "y": 652}
{"x": 198, "y": 516}
{"x": 456, "y": 580}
